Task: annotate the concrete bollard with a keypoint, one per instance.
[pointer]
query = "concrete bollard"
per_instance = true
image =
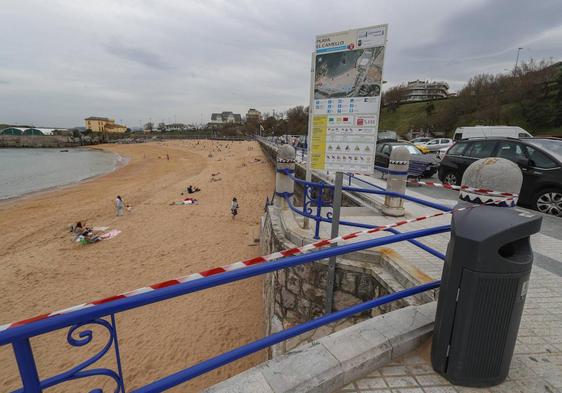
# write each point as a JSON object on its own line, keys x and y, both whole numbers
{"x": 496, "y": 174}
{"x": 283, "y": 183}
{"x": 396, "y": 182}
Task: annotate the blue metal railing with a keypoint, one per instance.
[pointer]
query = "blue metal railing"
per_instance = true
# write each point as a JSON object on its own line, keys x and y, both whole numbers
{"x": 19, "y": 337}
{"x": 103, "y": 315}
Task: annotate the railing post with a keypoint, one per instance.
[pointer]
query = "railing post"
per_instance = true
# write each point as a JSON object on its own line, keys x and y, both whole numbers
{"x": 284, "y": 185}
{"x": 26, "y": 366}
{"x": 397, "y": 176}
{"x": 318, "y": 211}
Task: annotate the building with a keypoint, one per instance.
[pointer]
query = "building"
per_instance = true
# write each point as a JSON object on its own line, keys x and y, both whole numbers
{"x": 253, "y": 116}
{"x": 176, "y": 127}
{"x": 425, "y": 90}
{"x": 31, "y": 131}
{"x": 103, "y": 124}
{"x": 225, "y": 118}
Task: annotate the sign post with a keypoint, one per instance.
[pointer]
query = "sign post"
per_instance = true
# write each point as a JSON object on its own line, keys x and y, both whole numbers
{"x": 344, "y": 111}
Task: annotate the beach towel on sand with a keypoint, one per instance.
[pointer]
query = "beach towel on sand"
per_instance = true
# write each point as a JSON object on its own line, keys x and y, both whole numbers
{"x": 111, "y": 234}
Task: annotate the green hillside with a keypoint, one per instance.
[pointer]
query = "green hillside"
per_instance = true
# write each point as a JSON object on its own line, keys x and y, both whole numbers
{"x": 530, "y": 98}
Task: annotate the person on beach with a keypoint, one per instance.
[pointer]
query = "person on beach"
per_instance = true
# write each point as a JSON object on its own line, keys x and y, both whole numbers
{"x": 234, "y": 207}
{"x": 119, "y": 206}
{"x": 191, "y": 189}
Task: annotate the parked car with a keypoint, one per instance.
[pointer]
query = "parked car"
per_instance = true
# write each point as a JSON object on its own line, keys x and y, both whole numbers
{"x": 438, "y": 143}
{"x": 421, "y": 139}
{"x": 420, "y": 164}
{"x": 540, "y": 160}
{"x": 490, "y": 132}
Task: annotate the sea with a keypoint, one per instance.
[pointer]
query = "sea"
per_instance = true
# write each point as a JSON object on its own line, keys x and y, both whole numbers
{"x": 23, "y": 171}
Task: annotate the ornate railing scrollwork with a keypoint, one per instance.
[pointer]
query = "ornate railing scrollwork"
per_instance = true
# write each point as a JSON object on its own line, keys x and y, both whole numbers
{"x": 78, "y": 338}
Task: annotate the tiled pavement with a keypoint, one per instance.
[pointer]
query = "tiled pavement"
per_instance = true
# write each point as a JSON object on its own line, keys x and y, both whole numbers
{"x": 536, "y": 364}
{"x": 537, "y": 361}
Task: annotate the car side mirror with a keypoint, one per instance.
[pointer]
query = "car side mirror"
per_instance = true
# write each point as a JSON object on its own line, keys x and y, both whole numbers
{"x": 523, "y": 162}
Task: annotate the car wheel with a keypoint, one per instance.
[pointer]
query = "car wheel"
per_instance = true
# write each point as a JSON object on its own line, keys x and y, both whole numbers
{"x": 451, "y": 178}
{"x": 548, "y": 201}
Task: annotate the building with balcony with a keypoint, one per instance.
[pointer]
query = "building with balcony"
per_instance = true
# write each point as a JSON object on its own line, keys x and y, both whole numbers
{"x": 103, "y": 124}
{"x": 225, "y": 118}
{"x": 253, "y": 116}
{"x": 425, "y": 90}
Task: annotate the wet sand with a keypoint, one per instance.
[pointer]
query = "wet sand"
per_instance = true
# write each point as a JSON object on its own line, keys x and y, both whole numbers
{"x": 42, "y": 270}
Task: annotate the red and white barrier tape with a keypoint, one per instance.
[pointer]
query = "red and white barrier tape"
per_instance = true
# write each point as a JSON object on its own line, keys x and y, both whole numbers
{"x": 472, "y": 190}
{"x": 238, "y": 265}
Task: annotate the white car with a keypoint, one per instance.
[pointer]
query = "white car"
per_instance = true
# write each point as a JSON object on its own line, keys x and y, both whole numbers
{"x": 435, "y": 144}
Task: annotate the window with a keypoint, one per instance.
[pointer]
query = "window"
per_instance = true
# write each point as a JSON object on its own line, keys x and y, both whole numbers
{"x": 379, "y": 148}
{"x": 457, "y": 150}
{"x": 539, "y": 160}
{"x": 481, "y": 149}
{"x": 411, "y": 148}
{"x": 386, "y": 149}
{"x": 458, "y": 136}
{"x": 433, "y": 142}
{"x": 510, "y": 151}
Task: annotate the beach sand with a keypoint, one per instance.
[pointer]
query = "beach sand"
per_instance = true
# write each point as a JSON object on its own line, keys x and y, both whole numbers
{"x": 42, "y": 270}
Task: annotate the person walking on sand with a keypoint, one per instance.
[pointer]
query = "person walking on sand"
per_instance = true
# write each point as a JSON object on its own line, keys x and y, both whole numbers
{"x": 119, "y": 206}
{"x": 234, "y": 207}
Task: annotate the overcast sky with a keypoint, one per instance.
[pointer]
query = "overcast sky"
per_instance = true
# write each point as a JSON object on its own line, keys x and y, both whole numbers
{"x": 64, "y": 60}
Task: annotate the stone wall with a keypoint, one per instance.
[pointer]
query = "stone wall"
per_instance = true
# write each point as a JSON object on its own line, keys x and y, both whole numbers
{"x": 37, "y": 141}
{"x": 296, "y": 295}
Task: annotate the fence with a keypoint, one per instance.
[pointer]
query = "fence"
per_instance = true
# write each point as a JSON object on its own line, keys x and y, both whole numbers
{"x": 102, "y": 312}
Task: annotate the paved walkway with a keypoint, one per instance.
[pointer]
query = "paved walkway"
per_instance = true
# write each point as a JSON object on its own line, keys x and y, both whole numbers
{"x": 537, "y": 361}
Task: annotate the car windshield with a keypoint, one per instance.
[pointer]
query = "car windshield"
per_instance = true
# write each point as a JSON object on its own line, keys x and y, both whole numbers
{"x": 411, "y": 148}
{"x": 551, "y": 146}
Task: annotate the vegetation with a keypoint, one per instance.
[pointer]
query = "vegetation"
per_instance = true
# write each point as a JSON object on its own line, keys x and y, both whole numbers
{"x": 529, "y": 97}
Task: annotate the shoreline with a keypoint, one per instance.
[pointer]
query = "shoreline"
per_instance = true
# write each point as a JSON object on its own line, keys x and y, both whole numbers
{"x": 120, "y": 162}
{"x": 41, "y": 269}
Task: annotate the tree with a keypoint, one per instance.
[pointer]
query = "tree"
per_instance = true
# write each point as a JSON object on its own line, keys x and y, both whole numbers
{"x": 297, "y": 120}
{"x": 149, "y": 126}
{"x": 161, "y": 127}
{"x": 393, "y": 97}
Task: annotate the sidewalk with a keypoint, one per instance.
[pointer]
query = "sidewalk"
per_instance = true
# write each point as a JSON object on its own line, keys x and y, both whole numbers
{"x": 537, "y": 361}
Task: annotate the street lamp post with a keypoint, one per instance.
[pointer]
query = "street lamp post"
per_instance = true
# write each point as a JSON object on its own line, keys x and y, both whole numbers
{"x": 517, "y": 58}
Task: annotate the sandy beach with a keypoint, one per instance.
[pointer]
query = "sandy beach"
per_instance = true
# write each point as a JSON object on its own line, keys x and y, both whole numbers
{"x": 41, "y": 269}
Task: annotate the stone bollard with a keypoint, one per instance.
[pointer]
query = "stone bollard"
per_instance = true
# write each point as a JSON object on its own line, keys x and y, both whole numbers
{"x": 284, "y": 184}
{"x": 496, "y": 174}
{"x": 396, "y": 181}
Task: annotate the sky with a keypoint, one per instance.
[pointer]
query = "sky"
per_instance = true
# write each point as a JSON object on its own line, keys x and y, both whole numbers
{"x": 181, "y": 60}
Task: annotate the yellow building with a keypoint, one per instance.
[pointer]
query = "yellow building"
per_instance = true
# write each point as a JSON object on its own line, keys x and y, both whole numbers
{"x": 103, "y": 124}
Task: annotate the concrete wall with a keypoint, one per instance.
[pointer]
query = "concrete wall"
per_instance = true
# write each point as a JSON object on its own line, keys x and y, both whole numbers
{"x": 37, "y": 141}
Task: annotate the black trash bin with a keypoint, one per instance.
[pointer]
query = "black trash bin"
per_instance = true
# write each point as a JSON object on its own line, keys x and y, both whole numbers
{"x": 484, "y": 283}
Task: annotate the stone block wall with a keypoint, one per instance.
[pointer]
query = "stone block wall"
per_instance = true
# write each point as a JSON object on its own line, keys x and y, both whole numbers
{"x": 296, "y": 295}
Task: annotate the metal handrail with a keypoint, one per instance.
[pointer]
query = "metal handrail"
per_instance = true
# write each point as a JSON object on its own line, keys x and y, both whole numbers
{"x": 433, "y": 205}
{"x": 395, "y": 231}
{"x": 19, "y": 336}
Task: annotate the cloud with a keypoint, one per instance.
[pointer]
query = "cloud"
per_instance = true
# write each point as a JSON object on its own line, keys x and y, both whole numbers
{"x": 141, "y": 59}
{"x": 137, "y": 55}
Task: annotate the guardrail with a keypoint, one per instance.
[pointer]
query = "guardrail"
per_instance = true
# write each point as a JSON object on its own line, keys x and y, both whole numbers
{"x": 102, "y": 312}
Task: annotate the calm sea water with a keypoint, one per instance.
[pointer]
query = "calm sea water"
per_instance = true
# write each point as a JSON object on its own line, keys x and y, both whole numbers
{"x": 26, "y": 170}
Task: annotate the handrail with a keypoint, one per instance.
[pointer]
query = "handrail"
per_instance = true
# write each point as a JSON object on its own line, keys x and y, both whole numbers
{"x": 19, "y": 336}
{"x": 368, "y": 191}
{"x": 361, "y": 225}
{"x": 230, "y": 356}
{"x": 65, "y": 320}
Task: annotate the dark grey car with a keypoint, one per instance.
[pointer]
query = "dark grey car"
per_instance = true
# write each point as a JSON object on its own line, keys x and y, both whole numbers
{"x": 421, "y": 165}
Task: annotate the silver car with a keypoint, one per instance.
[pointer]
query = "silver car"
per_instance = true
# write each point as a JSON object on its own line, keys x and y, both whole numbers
{"x": 435, "y": 145}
